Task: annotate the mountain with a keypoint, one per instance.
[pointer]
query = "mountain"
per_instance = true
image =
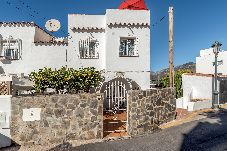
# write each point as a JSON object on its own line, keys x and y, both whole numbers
{"x": 156, "y": 76}
{"x": 190, "y": 66}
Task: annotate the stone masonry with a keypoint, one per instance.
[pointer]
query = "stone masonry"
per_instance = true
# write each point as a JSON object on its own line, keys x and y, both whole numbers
{"x": 150, "y": 108}
{"x": 64, "y": 118}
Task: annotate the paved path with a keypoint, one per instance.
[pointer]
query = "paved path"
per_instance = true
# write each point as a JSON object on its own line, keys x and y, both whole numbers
{"x": 209, "y": 133}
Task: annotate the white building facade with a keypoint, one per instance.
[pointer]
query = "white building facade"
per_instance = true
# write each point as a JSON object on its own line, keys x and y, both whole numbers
{"x": 204, "y": 63}
{"x": 117, "y": 43}
{"x": 198, "y": 88}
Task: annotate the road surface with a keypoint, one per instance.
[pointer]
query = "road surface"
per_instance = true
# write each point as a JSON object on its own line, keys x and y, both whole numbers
{"x": 208, "y": 134}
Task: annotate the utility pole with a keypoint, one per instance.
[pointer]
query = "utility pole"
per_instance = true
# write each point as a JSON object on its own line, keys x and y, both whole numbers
{"x": 171, "y": 66}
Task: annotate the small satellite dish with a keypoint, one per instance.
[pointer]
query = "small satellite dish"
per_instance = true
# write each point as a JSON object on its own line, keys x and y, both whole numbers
{"x": 53, "y": 25}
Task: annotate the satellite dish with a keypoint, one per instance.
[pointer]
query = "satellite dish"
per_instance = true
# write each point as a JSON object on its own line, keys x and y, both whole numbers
{"x": 53, "y": 25}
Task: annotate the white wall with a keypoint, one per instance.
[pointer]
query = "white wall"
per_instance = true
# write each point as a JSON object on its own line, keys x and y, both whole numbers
{"x": 26, "y": 34}
{"x": 198, "y": 87}
{"x": 107, "y": 29}
{"x": 86, "y": 21}
{"x": 127, "y": 16}
{"x": 113, "y": 35}
{"x": 52, "y": 56}
{"x": 92, "y": 22}
{"x": 5, "y": 107}
{"x": 141, "y": 78}
{"x": 135, "y": 24}
{"x": 204, "y": 63}
{"x": 34, "y": 56}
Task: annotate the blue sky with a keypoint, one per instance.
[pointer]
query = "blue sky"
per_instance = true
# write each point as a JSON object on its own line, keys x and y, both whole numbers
{"x": 197, "y": 23}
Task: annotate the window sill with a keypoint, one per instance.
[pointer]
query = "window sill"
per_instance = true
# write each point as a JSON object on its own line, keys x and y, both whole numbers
{"x": 89, "y": 58}
{"x": 129, "y": 56}
{"x": 7, "y": 58}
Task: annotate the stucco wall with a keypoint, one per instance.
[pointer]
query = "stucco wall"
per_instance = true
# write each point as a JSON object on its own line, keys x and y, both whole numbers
{"x": 62, "y": 118}
{"x": 197, "y": 87}
{"x": 107, "y": 29}
{"x": 74, "y": 54}
{"x": 141, "y": 78}
{"x": 53, "y": 56}
{"x": 35, "y": 58}
{"x": 86, "y": 21}
{"x": 82, "y": 27}
{"x": 135, "y": 24}
{"x": 5, "y": 110}
{"x": 127, "y": 16}
{"x": 204, "y": 63}
{"x": 150, "y": 108}
{"x": 138, "y": 31}
{"x": 26, "y": 34}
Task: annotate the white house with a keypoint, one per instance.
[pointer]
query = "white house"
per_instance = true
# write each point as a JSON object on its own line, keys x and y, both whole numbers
{"x": 118, "y": 43}
{"x": 204, "y": 63}
{"x": 198, "y": 88}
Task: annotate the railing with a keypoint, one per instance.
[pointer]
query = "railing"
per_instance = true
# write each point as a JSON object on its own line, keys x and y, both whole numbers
{"x": 88, "y": 49}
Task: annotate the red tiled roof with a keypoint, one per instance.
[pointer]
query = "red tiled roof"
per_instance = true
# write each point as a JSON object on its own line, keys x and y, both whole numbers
{"x": 133, "y": 5}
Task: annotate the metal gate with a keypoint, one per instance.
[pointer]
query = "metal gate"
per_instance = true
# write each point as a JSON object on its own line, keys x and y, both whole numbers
{"x": 115, "y": 107}
{"x": 223, "y": 92}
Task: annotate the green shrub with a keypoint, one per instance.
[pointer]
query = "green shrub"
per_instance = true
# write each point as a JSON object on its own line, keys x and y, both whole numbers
{"x": 177, "y": 81}
{"x": 75, "y": 80}
{"x": 42, "y": 79}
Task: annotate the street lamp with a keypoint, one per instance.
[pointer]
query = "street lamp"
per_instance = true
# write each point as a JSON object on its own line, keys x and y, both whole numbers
{"x": 216, "y": 49}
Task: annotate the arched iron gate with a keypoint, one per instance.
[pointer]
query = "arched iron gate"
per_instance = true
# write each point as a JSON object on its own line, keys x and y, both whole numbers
{"x": 115, "y": 107}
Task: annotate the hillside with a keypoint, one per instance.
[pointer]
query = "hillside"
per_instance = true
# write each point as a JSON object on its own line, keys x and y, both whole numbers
{"x": 155, "y": 76}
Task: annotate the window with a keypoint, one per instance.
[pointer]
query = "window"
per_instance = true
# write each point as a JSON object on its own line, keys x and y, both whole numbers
{"x": 11, "y": 53}
{"x": 128, "y": 47}
{"x": 11, "y": 48}
{"x": 88, "y": 49}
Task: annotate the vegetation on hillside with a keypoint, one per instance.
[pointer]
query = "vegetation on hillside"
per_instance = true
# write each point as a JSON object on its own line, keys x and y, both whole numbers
{"x": 177, "y": 81}
{"x": 155, "y": 76}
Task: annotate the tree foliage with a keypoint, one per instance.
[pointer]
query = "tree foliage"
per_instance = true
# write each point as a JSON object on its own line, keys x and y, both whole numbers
{"x": 74, "y": 80}
{"x": 177, "y": 81}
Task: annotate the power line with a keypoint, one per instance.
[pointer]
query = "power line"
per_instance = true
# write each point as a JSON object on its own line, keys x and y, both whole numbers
{"x": 158, "y": 22}
{"x": 32, "y": 13}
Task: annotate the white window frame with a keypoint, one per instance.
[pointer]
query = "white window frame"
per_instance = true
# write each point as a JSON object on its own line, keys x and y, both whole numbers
{"x": 88, "y": 49}
{"x": 125, "y": 51}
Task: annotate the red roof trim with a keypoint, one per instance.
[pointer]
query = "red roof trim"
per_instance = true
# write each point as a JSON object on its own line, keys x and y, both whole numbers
{"x": 133, "y": 5}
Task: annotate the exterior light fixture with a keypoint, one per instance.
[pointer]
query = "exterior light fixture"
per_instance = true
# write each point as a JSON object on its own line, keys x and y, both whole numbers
{"x": 216, "y": 49}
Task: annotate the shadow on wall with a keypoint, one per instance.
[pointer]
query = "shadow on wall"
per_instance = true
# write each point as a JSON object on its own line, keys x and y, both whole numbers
{"x": 208, "y": 135}
{"x": 5, "y": 140}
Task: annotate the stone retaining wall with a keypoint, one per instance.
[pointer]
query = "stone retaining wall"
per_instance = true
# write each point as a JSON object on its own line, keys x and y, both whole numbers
{"x": 62, "y": 118}
{"x": 150, "y": 108}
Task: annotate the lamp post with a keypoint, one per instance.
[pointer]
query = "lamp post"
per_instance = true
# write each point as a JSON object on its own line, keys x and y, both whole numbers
{"x": 216, "y": 49}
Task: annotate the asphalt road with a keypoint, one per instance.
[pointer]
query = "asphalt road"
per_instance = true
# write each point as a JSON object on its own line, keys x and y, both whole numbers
{"x": 208, "y": 134}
